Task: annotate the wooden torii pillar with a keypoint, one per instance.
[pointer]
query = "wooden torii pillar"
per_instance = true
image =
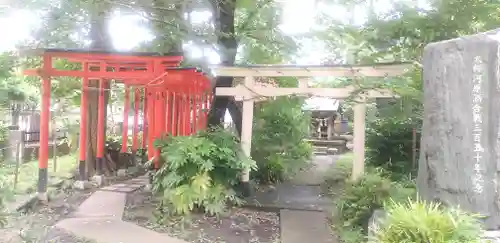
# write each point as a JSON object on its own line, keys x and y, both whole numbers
{"x": 249, "y": 93}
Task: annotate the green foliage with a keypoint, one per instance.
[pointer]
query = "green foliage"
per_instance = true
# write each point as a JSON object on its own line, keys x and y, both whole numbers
{"x": 419, "y": 221}
{"x": 389, "y": 143}
{"x": 11, "y": 87}
{"x": 3, "y": 131}
{"x": 199, "y": 172}
{"x": 4, "y": 196}
{"x": 357, "y": 202}
{"x": 278, "y": 144}
{"x": 341, "y": 170}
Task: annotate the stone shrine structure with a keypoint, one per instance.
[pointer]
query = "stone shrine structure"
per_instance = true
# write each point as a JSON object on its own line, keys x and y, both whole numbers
{"x": 460, "y": 146}
{"x": 324, "y": 113}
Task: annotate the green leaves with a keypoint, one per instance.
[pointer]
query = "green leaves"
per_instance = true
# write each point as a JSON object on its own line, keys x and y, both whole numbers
{"x": 278, "y": 139}
{"x": 421, "y": 221}
{"x": 357, "y": 202}
{"x": 199, "y": 172}
{"x": 389, "y": 144}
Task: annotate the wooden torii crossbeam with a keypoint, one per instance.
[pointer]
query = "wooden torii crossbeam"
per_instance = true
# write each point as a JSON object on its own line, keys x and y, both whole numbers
{"x": 249, "y": 93}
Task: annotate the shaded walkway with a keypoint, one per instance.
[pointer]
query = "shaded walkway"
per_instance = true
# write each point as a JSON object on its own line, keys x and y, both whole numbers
{"x": 302, "y": 207}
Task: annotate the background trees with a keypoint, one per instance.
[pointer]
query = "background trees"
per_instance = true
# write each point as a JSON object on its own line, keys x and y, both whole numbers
{"x": 246, "y": 32}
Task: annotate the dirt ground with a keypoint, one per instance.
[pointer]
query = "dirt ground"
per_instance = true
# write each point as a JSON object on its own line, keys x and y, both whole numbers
{"x": 237, "y": 226}
{"x": 35, "y": 226}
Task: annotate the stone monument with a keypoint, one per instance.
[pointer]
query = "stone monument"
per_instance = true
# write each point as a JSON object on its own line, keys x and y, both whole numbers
{"x": 460, "y": 146}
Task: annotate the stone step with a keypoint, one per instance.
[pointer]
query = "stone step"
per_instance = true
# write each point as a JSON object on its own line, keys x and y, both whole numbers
{"x": 305, "y": 226}
{"x": 318, "y": 150}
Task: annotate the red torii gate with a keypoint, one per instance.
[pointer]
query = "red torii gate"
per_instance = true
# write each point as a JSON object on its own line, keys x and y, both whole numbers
{"x": 176, "y": 99}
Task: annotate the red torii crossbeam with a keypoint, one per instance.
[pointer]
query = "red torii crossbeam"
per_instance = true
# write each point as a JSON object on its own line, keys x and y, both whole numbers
{"x": 175, "y": 100}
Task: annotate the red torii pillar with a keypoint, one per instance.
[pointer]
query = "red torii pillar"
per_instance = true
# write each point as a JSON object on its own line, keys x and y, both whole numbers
{"x": 144, "y": 120}
{"x": 158, "y": 125}
{"x": 43, "y": 154}
{"x": 101, "y": 124}
{"x": 83, "y": 128}
{"x": 151, "y": 123}
{"x": 135, "y": 130}
{"x": 126, "y": 109}
{"x": 168, "y": 112}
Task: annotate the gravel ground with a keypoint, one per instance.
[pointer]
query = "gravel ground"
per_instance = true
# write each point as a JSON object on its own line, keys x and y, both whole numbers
{"x": 237, "y": 226}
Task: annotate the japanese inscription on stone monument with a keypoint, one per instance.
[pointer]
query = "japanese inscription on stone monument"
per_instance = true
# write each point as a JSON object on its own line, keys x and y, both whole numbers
{"x": 477, "y": 119}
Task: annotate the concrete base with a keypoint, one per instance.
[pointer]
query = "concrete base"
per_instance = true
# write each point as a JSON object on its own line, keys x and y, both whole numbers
{"x": 43, "y": 197}
{"x": 99, "y": 180}
{"x": 81, "y": 185}
{"x": 121, "y": 173}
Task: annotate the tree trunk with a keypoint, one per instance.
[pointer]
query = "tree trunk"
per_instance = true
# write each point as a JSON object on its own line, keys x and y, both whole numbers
{"x": 224, "y": 19}
{"x": 100, "y": 41}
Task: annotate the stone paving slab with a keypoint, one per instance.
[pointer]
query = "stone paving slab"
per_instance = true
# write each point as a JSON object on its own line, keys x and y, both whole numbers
{"x": 103, "y": 204}
{"x": 288, "y": 196}
{"x": 304, "y": 226}
{"x": 315, "y": 175}
{"x": 104, "y": 230}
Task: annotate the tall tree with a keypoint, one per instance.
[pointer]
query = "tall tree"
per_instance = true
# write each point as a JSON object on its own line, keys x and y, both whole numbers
{"x": 224, "y": 21}
{"x": 100, "y": 40}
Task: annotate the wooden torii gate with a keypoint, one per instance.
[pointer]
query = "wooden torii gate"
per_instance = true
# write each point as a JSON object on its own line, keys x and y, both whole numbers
{"x": 248, "y": 93}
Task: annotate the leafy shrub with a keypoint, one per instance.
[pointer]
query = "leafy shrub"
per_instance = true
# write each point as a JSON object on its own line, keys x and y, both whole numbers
{"x": 389, "y": 145}
{"x": 199, "y": 172}
{"x": 357, "y": 202}
{"x": 278, "y": 143}
{"x": 426, "y": 222}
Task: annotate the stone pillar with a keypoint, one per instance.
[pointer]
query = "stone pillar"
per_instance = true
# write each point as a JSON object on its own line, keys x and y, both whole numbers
{"x": 329, "y": 128}
{"x": 15, "y": 137}
{"x": 460, "y": 144}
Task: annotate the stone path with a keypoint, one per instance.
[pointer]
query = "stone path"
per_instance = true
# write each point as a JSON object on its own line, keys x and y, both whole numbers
{"x": 303, "y": 211}
{"x": 99, "y": 218}
{"x": 302, "y": 207}
{"x": 304, "y": 226}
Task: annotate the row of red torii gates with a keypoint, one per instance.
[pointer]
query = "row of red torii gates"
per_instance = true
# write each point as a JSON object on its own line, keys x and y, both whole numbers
{"x": 176, "y": 100}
